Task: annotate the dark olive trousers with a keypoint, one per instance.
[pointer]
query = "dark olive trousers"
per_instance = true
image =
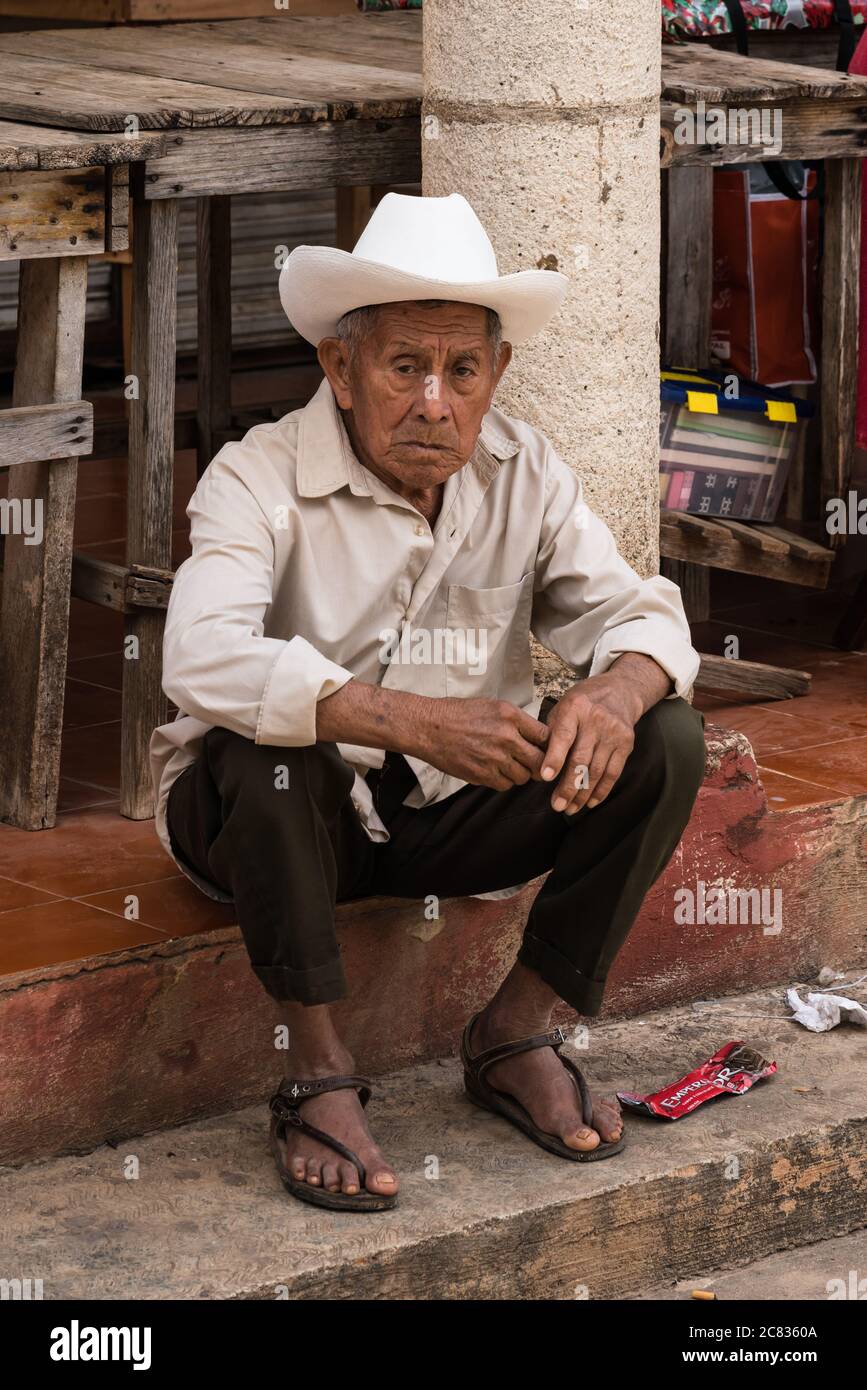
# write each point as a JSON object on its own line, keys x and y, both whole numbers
{"x": 275, "y": 828}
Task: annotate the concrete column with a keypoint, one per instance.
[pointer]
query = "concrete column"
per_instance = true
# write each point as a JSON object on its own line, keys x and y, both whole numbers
{"x": 544, "y": 114}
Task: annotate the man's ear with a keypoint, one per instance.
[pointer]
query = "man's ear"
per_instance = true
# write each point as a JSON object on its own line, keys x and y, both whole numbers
{"x": 333, "y": 358}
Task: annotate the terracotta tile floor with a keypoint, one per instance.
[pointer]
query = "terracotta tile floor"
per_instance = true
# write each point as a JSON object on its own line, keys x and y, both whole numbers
{"x": 98, "y": 882}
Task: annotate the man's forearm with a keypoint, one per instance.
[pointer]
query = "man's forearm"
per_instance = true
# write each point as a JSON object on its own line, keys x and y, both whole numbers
{"x": 374, "y": 717}
{"x": 646, "y": 680}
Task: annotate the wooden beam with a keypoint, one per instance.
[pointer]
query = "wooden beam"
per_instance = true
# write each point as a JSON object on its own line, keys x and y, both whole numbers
{"x": 327, "y": 154}
{"x": 121, "y": 587}
{"x": 214, "y": 308}
{"x": 35, "y": 601}
{"x": 149, "y": 494}
{"x": 751, "y": 678}
{"x": 44, "y": 147}
{"x": 808, "y": 129}
{"x": 58, "y": 213}
{"x": 32, "y": 432}
{"x": 840, "y": 292}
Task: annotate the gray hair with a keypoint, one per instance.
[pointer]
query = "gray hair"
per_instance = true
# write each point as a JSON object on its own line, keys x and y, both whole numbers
{"x": 355, "y": 325}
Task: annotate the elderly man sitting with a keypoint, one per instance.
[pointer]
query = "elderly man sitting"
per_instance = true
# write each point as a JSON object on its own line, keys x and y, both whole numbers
{"x": 348, "y": 648}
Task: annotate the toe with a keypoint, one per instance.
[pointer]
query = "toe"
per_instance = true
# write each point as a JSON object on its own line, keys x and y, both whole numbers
{"x": 330, "y": 1178}
{"x": 381, "y": 1179}
{"x": 607, "y": 1117}
{"x": 313, "y": 1172}
{"x": 581, "y": 1138}
{"x": 348, "y": 1179}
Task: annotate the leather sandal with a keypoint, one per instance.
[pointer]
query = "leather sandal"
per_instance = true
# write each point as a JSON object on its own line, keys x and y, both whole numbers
{"x": 284, "y": 1107}
{"x": 487, "y": 1097}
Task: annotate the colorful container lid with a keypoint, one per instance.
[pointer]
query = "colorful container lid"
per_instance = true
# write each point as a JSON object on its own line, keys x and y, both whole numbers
{"x": 711, "y": 392}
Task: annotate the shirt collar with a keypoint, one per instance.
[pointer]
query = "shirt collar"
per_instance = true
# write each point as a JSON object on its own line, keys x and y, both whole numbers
{"x": 326, "y": 461}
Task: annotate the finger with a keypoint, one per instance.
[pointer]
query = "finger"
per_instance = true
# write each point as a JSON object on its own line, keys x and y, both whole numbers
{"x": 577, "y": 764}
{"x": 595, "y": 770}
{"x": 561, "y": 739}
{"x": 532, "y": 729}
{"x": 529, "y": 756}
{"x": 616, "y": 764}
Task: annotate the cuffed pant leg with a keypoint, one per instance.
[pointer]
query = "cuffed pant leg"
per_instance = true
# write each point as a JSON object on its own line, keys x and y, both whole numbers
{"x": 275, "y": 828}
{"x": 612, "y": 855}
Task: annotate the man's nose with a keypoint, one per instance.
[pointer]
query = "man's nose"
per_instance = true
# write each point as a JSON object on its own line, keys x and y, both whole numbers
{"x": 432, "y": 404}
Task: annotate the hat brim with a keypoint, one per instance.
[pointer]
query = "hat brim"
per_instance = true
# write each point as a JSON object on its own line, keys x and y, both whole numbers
{"x": 319, "y": 284}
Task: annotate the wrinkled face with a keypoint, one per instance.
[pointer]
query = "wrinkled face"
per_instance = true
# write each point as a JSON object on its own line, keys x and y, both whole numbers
{"x": 415, "y": 388}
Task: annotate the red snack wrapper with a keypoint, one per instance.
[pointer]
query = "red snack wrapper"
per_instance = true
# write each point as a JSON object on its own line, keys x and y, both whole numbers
{"x": 733, "y": 1069}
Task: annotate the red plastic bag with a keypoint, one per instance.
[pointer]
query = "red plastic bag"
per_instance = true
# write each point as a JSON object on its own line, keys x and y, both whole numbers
{"x": 765, "y": 271}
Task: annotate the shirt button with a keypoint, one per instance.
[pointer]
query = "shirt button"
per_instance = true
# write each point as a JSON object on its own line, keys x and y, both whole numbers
{"x": 419, "y": 529}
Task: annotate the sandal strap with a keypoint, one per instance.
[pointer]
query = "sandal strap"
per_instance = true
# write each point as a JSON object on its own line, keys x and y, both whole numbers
{"x": 478, "y": 1065}
{"x": 294, "y": 1091}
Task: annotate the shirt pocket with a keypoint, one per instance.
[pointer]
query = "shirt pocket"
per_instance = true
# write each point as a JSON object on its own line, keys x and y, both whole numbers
{"x": 490, "y": 638}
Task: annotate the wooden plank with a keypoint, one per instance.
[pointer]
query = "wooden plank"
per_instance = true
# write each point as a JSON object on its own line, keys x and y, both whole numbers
{"x": 94, "y": 10}
{"x": 35, "y": 599}
{"x": 56, "y": 213}
{"x": 42, "y": 147}
{"x": 140, "y": 10}
{"x": 689, "y": 267}
{"x": 799, "y": 545}
{"x": 694, "y": 73}
{"x": 214, "y": 307}
{"x": 840, "y": 293}
{"x": 149, "y": 490}
{"x": 391, "y": 38}
{"x": 756, "y": 537}
{"x": 172, "y": 51}
{"x": 808, "y": 48}
{"x": 57, "y": 431}
{"x": 55, "y": 93}
{"x": 703, "y": 527}
{"x": 751, "y": 678}
{"x": 117, "y": 208}
{"x": 808, "y": 129}
{"x": 206, "y": 162}
{"x": 120, "y": 587}
{"x": 727, "y": 553}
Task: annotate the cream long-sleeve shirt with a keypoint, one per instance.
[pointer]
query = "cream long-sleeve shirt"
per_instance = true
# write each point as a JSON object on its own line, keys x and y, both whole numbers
{"x": 307, "y": 570}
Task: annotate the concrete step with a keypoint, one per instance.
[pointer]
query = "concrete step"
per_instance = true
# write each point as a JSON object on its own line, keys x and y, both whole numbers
{"x": 151, "y": 1037}
{"x": 830, "y": 1269}
{"x": 483, "y": 1213}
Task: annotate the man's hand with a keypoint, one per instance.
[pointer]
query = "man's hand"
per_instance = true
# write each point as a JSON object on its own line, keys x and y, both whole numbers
{"x": 490, "y": 743}
{"x": 592, "y": 730}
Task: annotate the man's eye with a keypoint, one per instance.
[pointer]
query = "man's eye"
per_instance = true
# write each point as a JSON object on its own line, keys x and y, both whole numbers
{"x": 406, "y": 368}
{"x": 464, "y": 371}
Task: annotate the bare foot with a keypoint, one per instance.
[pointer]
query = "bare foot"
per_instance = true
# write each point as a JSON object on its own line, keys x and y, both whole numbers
{"x": 339, "y": 1113}
{"x": 541, "y": 1084}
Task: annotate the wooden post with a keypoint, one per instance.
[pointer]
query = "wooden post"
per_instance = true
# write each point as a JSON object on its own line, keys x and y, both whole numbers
{"x": 36, "y": 577}
{"x": 841, "y": 261}
{"x": 688, "y": 279}
{"x": 689, "y": 265}
{"x": 149, "y": 496}
{"x": 214, "y": 274}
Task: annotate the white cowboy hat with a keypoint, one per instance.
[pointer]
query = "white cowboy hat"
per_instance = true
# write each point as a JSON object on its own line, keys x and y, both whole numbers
{"x": 415, "y": 248}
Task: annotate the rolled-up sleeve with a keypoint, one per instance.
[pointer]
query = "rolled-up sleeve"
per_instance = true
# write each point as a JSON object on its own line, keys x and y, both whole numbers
{"x": 589, "y": 605}
{"x": 217, "y": 663}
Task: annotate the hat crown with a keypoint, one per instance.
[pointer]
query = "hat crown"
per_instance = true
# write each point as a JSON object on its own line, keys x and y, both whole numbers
{"x": 438, "y": 238}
